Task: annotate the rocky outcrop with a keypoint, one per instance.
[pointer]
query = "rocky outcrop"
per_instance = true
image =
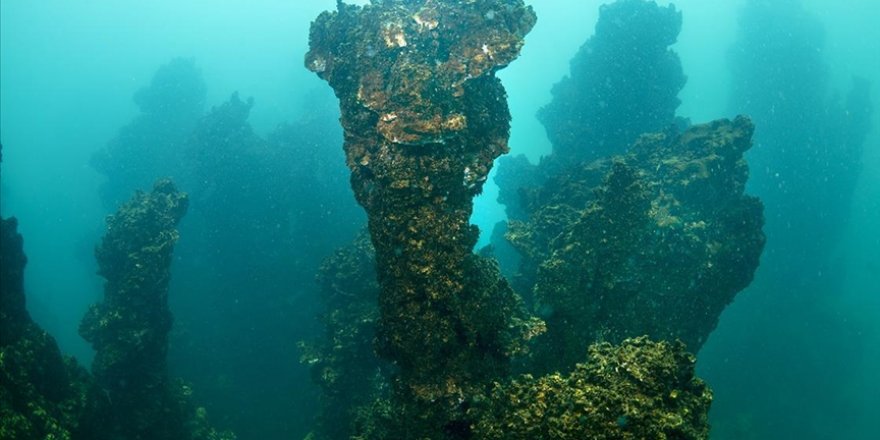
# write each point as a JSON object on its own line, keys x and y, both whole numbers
{"x": 637, "y": 390}
{"x": 424, "y": 118}
{"x": 623, "y": 82}
{"x": 656, "y": 242}
{"x": 129, "y": 328}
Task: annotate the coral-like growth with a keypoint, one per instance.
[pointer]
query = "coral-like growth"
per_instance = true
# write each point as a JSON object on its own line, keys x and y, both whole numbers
{"x": 424, "y": 118}
{"x": 638, "y": 390}
{"x": 656, "y": 242}
{"x": 624, "y": 81}
{"x": 129, "y": 328}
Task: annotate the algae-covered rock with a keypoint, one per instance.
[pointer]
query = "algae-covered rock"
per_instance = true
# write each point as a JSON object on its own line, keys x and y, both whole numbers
{"x": 409, "y": 62}
{"x": 623, "y": 82}
{"x": 637, "y": 390}
{"x": 129, "y": 328}
{"x": 654, "y": 242}
{"x": 424, "y": 119}
{"x": 44, "y": 394}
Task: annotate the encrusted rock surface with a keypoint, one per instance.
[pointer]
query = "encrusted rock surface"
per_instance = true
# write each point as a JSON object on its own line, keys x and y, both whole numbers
{"x": 424, "y": 118}
{"x": 342, "y": 360}
{"x": 129, "y": 328}
{"x": 637, "y": 390}
{"x": 656, "y": 242}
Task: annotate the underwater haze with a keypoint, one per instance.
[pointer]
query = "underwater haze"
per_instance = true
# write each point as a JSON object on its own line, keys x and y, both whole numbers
{"x": 620, "y": 210}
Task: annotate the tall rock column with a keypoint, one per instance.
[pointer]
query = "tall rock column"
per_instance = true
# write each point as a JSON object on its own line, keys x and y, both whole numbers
{"x": 129, "y": 329}
{"x": 424, "y": 118}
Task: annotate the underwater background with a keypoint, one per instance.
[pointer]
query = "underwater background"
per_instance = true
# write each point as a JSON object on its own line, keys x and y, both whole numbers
{"x": 99, "y": 99}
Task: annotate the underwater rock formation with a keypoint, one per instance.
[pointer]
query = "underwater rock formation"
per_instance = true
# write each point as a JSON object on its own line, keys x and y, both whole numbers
{"x": 343, "y": 361}
{"x": 150, "y": 146}
{"x": 514, "y": 174}
{"x": 637, "y": 390}
{"x": 424, "y": 118}
{"x": 129, "y": 328}
{"x": 624, "y": 81}
{"x": 656, "y": 242}
{"x": 43, "y": 394}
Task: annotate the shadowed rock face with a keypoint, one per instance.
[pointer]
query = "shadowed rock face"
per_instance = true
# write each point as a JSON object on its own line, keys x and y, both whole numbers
{"x": 13, "y": 315}
{"x": 424, "y": 118}
{"x": 42, "y": 393}
{"x": 656, "y": 242}
{"x": 129, "y": 328}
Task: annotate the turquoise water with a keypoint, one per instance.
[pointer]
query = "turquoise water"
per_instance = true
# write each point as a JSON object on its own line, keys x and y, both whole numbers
{"x": 795, "y": 356}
